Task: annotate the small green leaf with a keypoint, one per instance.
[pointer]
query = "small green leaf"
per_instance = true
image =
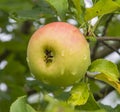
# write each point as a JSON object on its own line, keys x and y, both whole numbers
{"x": 20, "y": 105}
{"x": 100, "y": 8}
{"x": 107, "y": 72}
{"x": 59, "y": 107}
{"x": 79, "y": 94}
{"x": 60, "y": 6}
{"x": 91, "y": 38}
{"x": 55, "y": 105}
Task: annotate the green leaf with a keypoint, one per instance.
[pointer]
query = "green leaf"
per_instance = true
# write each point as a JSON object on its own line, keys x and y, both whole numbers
{"x": 32, "y": 14}
{"x": 99, "y": 110}
{"x": 14, "y": 5}
{"x": 117, "y": 1}
{"x": 59, "y": 107}
{"x": 20, "y": 105}
{"x": 41, "y": 9}
{"x": 55, "y": 105}
{"x": 107, "y": 108}
{"x": 79, "y": 94}
{"x": 95, "y": 1}
{"x": 79, "y": 10}
{"x": 117, "y": 108}
{"x": 114, "y": 31}
{"x": 14, "y": 46}
{"x": 3, "y": 18}
{"x": 107, "y": 72}
{"x": 100, "y": 8}
{"x": 90, "y": 106}
{"x": 94, "y": 87}
{"x": 60, "y": 6}
{"x": 110, "y": 109}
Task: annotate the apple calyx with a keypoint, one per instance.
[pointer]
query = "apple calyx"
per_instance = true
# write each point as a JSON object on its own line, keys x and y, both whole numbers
{"x": 48, "y": 56}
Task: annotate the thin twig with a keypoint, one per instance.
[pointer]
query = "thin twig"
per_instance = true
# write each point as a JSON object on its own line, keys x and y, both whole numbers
{"x": 110, "y": 47}
{"x": 106, "y": 51}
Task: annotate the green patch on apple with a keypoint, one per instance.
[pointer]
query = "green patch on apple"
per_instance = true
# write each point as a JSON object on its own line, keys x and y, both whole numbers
{"x": 58, "y": 54}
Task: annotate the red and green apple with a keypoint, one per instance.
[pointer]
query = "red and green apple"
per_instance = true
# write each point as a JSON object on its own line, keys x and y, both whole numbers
{"x": 58, "y": 54}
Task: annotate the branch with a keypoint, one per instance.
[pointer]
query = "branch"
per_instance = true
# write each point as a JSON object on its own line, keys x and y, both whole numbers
{"x": 108, "y": 38}
{"x": 26, "y": 27}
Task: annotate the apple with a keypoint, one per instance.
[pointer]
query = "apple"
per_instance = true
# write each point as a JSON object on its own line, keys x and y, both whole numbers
{"x": 58, "y": 54}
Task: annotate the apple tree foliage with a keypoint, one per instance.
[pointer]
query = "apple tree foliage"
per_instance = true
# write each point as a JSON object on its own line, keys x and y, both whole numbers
{"x": 19, "y": 92}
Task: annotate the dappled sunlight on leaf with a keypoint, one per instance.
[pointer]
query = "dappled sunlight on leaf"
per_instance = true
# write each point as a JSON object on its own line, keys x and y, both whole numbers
{"x": 79, "y": 94}
{"x": 109, "y": 80}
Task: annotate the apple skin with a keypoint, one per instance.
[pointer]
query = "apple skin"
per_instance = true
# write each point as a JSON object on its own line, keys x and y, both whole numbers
{"x": 58, "y": 54}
